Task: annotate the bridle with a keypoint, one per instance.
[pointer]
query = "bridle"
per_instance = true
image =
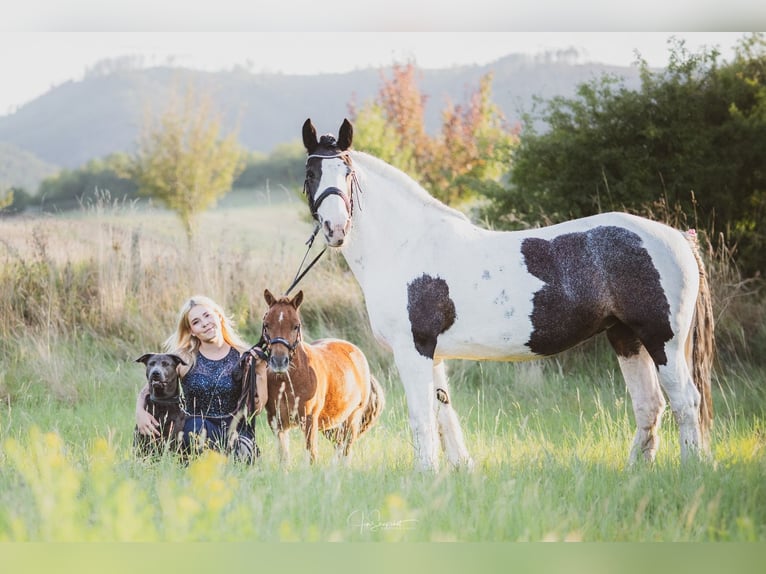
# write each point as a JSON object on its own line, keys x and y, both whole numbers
{"x": 348, "y": 198}
{"x": 269, "y": 342}
{"x": 315, "y": 202}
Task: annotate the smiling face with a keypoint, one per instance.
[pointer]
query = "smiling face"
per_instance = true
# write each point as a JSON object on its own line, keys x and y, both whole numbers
{"x": 205, "y": 324}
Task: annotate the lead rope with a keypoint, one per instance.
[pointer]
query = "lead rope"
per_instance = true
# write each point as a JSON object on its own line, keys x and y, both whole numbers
{"x": 300, "y": 274}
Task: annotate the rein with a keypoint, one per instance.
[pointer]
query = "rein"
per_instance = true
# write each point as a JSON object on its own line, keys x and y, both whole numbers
{"x": 249, "y": 388}
{"x": 300, "y": 274}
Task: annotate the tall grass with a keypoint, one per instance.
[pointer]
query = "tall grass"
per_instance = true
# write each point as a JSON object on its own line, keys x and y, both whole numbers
{"x": 82, "y": 296}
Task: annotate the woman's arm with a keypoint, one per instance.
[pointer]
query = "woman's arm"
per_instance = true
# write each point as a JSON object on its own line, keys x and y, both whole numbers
{"x": 261, "y": 388}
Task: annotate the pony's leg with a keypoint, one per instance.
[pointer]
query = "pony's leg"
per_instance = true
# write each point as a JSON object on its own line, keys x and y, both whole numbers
{"x": 416, "y": 372}
{"x": 350, "y": 433}
{"x": 343, "y": 437}
{"x": 640, "y": 376}
{"x": 450, "y": 432}
{"x": 312, "y": 437}
{"x": 283, "y": 443}
{"x": 684, "y": 400}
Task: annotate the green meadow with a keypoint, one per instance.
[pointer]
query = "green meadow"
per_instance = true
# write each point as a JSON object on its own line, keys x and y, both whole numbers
{"x": 83, "y": 294}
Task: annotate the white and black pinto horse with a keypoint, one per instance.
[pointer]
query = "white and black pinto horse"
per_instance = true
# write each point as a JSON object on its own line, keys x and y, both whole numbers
{"x": 438, "y": 287}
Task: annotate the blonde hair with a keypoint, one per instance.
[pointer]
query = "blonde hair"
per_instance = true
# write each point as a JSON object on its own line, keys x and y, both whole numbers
{"x": 183, "y": 343}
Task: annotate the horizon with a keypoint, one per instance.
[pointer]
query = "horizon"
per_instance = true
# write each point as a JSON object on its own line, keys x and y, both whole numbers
{"x": 60, "y": 57}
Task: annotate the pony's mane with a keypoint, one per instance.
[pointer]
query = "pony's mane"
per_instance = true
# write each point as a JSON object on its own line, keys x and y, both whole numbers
{"x": 378, "y": 166}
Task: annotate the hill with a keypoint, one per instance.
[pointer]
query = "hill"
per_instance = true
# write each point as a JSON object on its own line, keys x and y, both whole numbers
{"x": 103, "y": 113}
{"x": 20, "y": 168}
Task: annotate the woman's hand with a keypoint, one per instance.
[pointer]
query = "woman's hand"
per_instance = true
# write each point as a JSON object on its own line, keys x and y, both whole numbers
{"x": 145, "y": 422}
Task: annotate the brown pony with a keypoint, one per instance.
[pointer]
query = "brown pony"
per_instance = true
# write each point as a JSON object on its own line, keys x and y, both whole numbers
{"x": 325, "y": 385}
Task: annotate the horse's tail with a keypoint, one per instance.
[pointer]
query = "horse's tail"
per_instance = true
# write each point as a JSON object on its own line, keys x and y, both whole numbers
{"x": 703, "y": 346}
{"x": 374, "y": 406}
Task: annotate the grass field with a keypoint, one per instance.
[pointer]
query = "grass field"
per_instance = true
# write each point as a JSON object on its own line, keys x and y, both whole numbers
{"x": 82, "y": 295}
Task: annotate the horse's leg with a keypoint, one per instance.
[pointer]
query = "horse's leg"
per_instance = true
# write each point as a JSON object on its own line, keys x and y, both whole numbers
{"x": 648, "y": 403}
{"x": 640, "y": 374}
{"x": 684, "y": 399}
{"x": 450, "y": 432}
{"x": 416, "y": 373}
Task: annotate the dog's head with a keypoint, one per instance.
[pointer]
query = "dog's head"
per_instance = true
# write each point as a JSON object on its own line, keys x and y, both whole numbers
{"x": 162, "y": 372}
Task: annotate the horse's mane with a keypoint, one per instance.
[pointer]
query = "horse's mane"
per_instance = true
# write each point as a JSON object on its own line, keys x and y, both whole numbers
{"x": 378, "y": 166}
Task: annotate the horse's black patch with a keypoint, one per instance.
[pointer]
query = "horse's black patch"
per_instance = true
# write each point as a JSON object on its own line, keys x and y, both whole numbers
{"x": 431, "y": 312}
{"x": 599, "y": 279}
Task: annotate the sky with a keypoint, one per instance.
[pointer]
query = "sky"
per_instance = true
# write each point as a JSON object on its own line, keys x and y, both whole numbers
{"x": 51, "y": 58}
{"x": 44, "y": 43}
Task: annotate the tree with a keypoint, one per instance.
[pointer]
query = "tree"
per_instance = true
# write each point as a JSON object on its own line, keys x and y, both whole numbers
{"x": 69, "y": 189}
{"x": 283, "y": 166}
{"x": 184, "y": 161}
{"x": 16, "y": 200}
{"x": 6, "y": 198}
{"x": 691, "y": 139}
{"x": 471, "y": 152}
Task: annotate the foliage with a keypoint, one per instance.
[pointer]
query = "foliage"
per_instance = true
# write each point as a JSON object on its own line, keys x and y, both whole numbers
{"x": 692, "y": 135}
{"x": 184, "y": 161}
{"x": 6, "y": 199}
{"x": 472, "y": 150}
{"x": 71, "y": 188}
{"x": 284, "y": 165}
{"x": 16, "y": 200}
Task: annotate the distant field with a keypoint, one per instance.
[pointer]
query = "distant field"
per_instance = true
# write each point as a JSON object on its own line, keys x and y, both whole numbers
{"x": 82, "y": 295}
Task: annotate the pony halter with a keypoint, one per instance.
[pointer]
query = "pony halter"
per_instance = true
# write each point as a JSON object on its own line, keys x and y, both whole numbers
{"x": 280, "y": 341}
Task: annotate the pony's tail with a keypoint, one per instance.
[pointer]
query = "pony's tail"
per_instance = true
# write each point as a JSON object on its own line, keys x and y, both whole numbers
{"x": 703, "y": 346}
{"x": 374, "y": 405}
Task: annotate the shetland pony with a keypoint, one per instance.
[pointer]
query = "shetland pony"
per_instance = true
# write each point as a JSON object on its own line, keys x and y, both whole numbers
{"x": 438, "y": 287}
{"x": 323, "y": 386}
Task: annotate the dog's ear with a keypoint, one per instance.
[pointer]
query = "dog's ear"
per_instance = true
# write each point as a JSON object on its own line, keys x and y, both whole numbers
{"x": 178, "y": 360}
{"x": 144, "y": 358}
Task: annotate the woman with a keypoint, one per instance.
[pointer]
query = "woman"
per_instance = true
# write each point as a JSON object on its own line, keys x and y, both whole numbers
{"x": 208, "y": 342}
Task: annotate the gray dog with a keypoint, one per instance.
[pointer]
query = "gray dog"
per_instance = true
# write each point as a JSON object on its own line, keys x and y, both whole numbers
{"x": 163, "y": 402}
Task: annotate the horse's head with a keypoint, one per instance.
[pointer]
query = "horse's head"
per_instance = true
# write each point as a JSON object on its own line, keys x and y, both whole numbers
{"x": 282, "y": 329}
{"x": 329, "y": 180}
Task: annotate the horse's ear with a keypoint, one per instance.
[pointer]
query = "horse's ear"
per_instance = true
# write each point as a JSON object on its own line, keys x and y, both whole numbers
{"x": 270, "y": 300}
{"x": 345, "y": 135}
{"x": 310, "y": 141}
{"x": 297, "y": 300}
